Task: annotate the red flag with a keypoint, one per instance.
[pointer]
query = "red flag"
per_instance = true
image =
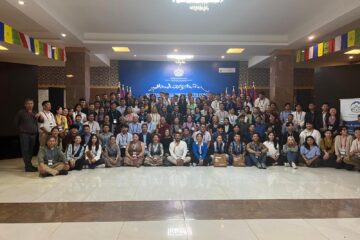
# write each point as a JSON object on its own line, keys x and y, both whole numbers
{"x": 331, "y": 45}
{"x": 254, "y": 89}
{"x": 307, "y": 54}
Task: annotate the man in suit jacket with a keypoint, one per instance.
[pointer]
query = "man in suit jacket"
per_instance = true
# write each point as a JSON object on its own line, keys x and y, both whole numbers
{"x": 145, "y": 137}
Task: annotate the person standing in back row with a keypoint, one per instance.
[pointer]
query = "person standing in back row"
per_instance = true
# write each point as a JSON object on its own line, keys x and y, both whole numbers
{"x": 26, "y": 121}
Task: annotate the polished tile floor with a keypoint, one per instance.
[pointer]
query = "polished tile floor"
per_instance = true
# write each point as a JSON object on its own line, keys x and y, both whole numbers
{"x": 183, "y": 199}
{"x": 268, "y": 229}
{"x": 176, "y": 183}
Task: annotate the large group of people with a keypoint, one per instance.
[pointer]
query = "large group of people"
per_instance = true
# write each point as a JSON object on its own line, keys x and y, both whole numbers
{"x": 184, "y": 131}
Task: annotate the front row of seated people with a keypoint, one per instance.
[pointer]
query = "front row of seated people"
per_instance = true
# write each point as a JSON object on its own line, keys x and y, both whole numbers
{"x": 332, "y": 152}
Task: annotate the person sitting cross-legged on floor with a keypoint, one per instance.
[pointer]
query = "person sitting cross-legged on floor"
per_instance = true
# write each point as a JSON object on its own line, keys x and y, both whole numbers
{"x": 93, "y": 152}
{"x": 75, "y": 158}
{"x": 51, "y": 159}
{"x": 257, "y": 152}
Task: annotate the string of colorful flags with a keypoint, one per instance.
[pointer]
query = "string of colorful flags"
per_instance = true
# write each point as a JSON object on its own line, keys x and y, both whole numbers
{"x": 341, "y": 42}
{"x": 11, "y": 36}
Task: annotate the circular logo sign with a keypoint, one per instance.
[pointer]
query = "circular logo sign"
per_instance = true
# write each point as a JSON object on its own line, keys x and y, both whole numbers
{"x": 179, "y": 72}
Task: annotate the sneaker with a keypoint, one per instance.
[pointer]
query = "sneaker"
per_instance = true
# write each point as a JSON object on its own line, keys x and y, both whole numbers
{"x": 258, "y": 165}
{"x": 286, "y": 164}
{"x": 293, "y": 165}
{"x": 63, "y": 172}
{"x": 263, "y": 166}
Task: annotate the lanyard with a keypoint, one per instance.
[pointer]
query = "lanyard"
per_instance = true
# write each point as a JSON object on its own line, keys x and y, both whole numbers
{"x": 47, "y": 116}
{"x": 343, "y": 143}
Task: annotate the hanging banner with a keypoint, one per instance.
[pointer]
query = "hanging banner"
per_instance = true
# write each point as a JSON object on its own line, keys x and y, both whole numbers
{"x": 350, "y": 110}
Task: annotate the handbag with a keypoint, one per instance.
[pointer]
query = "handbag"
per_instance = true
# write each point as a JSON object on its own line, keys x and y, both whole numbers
{"x": 220, "y": 160}
{"x": 239, "y": 161}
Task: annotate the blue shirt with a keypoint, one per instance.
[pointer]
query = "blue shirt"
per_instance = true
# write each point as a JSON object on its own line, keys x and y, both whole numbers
{"x": 310, "y": 153}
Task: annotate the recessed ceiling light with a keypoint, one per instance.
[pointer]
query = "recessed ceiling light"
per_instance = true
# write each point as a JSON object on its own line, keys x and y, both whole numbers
{"x": 37, "y": 53}
{"x": 222, "y": 57}
{"x": 176, "y": 50}
{"x": 352, "y": 52}
{"x": 134, "y": 55}
{"x": 311, "y": 37}
{"x": 2, "y": 48}
{"x": 351, "y": 57}
{"x": 69, "y": 75}
{"x": 63, "y": 35}
{"x": 121, "y": 49}
{"x": 180, "y": 57}
{"x": 21, "y": 2}
{"x": 53, "y": 48}
{"x": 235, "y": 50}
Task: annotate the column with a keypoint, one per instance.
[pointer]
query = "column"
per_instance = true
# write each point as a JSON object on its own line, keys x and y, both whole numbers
{"x": 77, "y": 83}
{"x": 282, "y": 77}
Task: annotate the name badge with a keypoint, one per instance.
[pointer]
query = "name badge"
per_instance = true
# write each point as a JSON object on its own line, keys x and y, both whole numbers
{"x": 50, "y": 162}
{"x": 115, "y": 121}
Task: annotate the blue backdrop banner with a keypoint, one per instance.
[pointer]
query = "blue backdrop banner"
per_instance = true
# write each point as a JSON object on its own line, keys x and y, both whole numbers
{"x": 147, "y": 77}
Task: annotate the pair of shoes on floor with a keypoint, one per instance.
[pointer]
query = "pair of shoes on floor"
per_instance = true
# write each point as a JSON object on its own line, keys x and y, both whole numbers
{"x": 31, "y": 169}
{"x": 293, "y": 165}
{"x": 261, "y": 165}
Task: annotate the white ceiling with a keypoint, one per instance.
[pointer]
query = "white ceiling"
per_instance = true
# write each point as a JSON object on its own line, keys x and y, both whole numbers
{"x": 153, "y": 28}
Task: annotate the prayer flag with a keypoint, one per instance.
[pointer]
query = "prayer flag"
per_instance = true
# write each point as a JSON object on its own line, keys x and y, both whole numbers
{"x": 320, "y": 49}
{"x": 311, "y": 52}
{"x": 344, "y": 41}
{"x": 8, "y": 38}
{"x": 16, "y": 37}
{"x": 1, "y": 31}
{"x": 337, "y": 44}
{"x": 36, "y": 45}
{"x": 351, "y": 39}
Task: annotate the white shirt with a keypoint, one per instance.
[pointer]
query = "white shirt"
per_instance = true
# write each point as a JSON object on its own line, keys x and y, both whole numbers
{"x": 94, "y": 126}
{"x": 97, "y": 153}
{"x": 262, "y": 104}
{"x": 232, "y": 119}
{"x": 178, "y": 151}
{"x": 215, "y": 105}
{"x": 49, "y": 121}
{"x": 314, "y": 133}
{"x": 299, "y": 118}
{"x": 83, "y": 116}
{"x": 272, "y": 150}
{"x": 355, "y": 146}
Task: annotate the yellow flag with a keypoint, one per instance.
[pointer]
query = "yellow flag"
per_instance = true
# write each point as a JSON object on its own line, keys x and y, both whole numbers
{"x": 320, "y": 49}
{"x": 8, "y": 38}
{"x": 351, "y": 38}
{"x": 298, "y": 56}
{"x": 56, "y": 54}
{"x": 37, "y": 46}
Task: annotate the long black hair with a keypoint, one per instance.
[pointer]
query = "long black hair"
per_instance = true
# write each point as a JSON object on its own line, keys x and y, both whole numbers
{"x": 306, "y": 145}
{"x": 276, "y": 142}
{"x": 97, "y": 144}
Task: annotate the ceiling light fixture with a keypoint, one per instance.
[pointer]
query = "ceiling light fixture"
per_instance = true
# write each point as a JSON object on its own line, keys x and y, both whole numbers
{"x": 353, "y": 52}
{"x": 134, "y": 55}
{"x": 351, "y": 57}
{"x": 63, "y": 35}
{"x": 121, "y": 49}
{"x": 199, "y": 5}
{"x": 235, "y": 50}
{"x": 69, "y": 75}
{"x": 311, "y": 37}
{"x": 176, "y": 50}
{"x": 180, "y": 57}
{"x": 2, "y": 48}
{"x": 21, "y": 2}
{"x": 222, "y": 57}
